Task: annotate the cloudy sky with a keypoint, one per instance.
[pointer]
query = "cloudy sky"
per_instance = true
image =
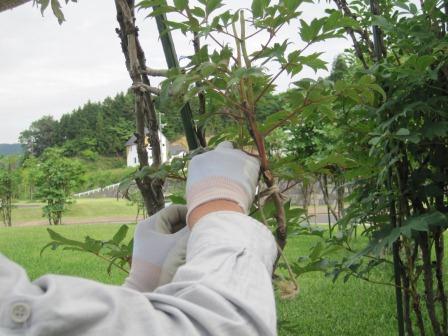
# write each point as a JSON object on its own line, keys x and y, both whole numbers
{"x": 48, "y": 69}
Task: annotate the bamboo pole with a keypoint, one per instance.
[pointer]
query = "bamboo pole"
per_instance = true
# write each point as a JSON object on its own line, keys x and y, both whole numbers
{"x": 172, "y": 61}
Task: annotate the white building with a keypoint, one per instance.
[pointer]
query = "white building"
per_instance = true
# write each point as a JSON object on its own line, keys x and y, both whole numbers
{"x": 131, "y": 150}
{"x": 176, "y": 151}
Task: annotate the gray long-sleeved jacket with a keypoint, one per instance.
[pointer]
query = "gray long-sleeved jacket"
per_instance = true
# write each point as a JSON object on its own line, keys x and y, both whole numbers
{"x": 223, "y": 289}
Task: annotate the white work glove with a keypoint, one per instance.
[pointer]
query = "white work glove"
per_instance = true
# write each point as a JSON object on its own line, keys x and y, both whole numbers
{"x": 159, "y": 249}
{"x": 224, "y": 173}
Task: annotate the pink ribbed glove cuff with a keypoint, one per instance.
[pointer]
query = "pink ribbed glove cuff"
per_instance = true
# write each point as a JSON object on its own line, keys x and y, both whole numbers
{"x": 223, "y": 189}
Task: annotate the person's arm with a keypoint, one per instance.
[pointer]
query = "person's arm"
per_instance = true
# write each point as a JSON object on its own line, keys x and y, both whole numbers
{"x": 227, "y": 277}
{"x": 223, "y": 289}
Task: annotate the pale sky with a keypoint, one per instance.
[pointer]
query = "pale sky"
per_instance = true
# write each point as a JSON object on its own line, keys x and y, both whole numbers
{"x": 51, "y": 69}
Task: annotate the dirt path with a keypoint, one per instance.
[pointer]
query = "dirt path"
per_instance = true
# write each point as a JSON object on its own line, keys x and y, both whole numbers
{"x": 320, "y": 217}
{"x": 77, "y": 220}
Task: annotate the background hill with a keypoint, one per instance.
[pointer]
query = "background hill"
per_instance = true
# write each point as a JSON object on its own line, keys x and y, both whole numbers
{"x": 10, "y": 149}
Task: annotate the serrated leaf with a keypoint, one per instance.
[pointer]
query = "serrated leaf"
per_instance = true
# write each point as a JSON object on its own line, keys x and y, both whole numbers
{"x": 313, "y": 61}
{"x": 309, "y": 32}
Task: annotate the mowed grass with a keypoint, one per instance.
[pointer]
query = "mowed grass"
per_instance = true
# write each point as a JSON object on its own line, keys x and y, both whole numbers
{"x": 82, "y": 208}
{"x": 322, "y": 308}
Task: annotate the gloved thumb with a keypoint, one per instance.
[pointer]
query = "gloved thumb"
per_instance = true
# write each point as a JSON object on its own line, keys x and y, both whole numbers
{"x": 225, "y": 145}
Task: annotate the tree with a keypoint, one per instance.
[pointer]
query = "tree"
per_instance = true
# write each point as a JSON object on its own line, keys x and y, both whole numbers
{"x": 145, "y": 113}
{"x": 235, "y": 76}
{"x": 40, "y": 135}
{"x": 8, "y": 188}
{"x": 29, "y": 171}
{"x": 389, "y": 141}
{"x": 57, "y": 177}
{"x": 397, "y": 152}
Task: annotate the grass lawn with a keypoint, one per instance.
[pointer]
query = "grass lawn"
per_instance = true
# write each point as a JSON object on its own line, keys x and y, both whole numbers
{"x": 82, "y": 208}
{"x": 322, "y": 308}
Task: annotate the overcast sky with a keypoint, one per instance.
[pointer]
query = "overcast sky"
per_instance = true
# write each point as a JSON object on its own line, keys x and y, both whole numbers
{"x": 51, "y": 69}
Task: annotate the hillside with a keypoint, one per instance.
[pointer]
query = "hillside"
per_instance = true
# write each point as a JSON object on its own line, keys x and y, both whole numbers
{"x": 10, "y": 149}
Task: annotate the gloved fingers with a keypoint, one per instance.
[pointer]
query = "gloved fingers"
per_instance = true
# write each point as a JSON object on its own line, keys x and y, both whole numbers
{"x": 224, "y": 145}
{"x": 175, "y": 259}
{"x": 144, "y": 276}
{"x": 171, "y": 219}
{"x": 153, "y": 240}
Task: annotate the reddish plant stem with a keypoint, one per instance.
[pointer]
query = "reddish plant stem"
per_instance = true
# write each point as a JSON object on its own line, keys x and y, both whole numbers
{"x": 267, "y": 176}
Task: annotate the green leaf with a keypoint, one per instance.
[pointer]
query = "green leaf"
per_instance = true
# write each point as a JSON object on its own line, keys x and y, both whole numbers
{"x": 425, "y": 222}
{"x": 313, "y": 61}
{"x": 423, "y": 62}
{"x": 53, "y": 246}
{"x": 387, "y": 236}
{"x": 177, "y": 199}
{"x": 292, "y": 5}
{"x": 277, "y": 51}
{"x": 433, "y": 130}
{"x": 258, "y": 7}
{"x": 403, "y": 132}
{"x": 61, "y": 239}
{"x": 241, "y": 73}
{"x": 211, "y": 5}
{"x": 419, "y": 63}
{"x": 120, "y": 235}
{"x": 320, "y": 265}
{"x": 316, "y": 251}
{"x": 125, "y": 185}
{"x": 309, "y": 32}
{"x": 274, "y": 119}
{"x": 382, "y": 22}
{"x": 378, "y": 89}
{"x": 162, "y": 10}
{"x": 56, "y": 7}
{"x": 197, "y": 11}
{"x": 337, "y": 20}
{"x": 180, "y": 4}
{"x": 43, "y": 5}
{"x": 151, "y": 3}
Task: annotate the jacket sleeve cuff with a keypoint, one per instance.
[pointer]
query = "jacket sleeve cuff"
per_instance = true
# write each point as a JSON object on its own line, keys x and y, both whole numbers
{"x": 223, "y": 189}
{"x": 233, "y": 229}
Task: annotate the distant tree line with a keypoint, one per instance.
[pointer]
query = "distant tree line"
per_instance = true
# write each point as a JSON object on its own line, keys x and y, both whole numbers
{"x": 102, "y": 128}
{"x": 95, "y": 128}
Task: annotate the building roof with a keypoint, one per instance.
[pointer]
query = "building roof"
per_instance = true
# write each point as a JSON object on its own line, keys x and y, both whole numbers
{"x": 131, "y": 141}
{"x": 177, "y": 149}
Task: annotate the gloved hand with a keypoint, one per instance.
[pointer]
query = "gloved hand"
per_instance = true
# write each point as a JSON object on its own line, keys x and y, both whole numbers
{"x": 222, "y": 174}
{"x": 159, "y": 249}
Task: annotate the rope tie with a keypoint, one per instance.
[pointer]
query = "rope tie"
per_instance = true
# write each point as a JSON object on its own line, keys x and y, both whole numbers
{"x": 268, "y": 192}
